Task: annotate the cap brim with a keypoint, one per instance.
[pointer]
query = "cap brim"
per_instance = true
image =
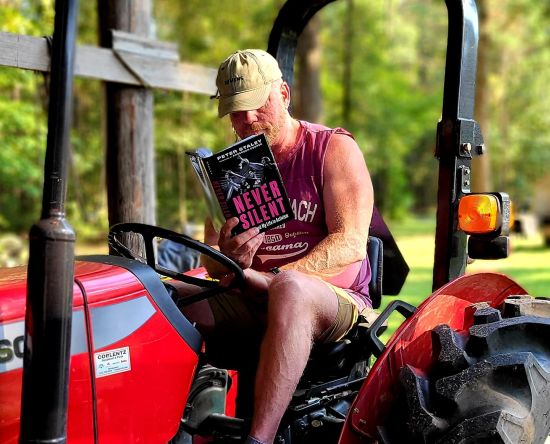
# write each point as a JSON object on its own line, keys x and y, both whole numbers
{"x": 244, "y": 101}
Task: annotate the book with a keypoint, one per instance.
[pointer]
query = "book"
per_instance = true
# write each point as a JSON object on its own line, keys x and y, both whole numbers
{"x": 212, "y": 205}
{"x": 243, "y": 181}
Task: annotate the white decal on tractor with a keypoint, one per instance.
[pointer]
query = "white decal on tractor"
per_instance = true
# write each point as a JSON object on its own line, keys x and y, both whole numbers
{"x": 111, "y": 362}
{"x": 11, "y": 345}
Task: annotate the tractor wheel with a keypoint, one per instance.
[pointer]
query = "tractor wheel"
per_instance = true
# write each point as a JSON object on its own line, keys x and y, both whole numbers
{"x": 489, "y": 386}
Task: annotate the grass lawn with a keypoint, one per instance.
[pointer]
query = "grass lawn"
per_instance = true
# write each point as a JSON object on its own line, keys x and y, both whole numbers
{"x": 528, "y": 263}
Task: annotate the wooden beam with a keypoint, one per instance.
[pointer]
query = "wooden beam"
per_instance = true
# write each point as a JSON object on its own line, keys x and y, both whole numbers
{"x": 20, "y": 51}
{"x": 130, "y": 167}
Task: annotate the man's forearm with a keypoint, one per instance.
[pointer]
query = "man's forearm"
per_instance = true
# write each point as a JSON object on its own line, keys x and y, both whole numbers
{"x": 332, "y": 255}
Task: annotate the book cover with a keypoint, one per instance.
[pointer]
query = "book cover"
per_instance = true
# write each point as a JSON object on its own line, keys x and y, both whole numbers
{"x": 246, "y": 182}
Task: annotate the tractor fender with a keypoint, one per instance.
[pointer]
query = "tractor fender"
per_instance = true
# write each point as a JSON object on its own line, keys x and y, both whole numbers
{"x": 411, "y": 345}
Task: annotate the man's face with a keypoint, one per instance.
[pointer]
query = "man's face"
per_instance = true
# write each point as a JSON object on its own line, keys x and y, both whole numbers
{"x": 269, "y": 119}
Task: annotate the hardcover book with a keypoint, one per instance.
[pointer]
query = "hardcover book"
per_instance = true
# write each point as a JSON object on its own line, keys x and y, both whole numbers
{"x": 243, "y": 181}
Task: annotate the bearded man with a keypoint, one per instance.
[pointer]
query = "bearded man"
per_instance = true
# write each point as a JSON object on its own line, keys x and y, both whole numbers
{"x": 306, "y": 281}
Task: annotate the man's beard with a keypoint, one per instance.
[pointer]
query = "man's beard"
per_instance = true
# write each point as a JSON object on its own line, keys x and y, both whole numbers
{"x": 271, "y": 131}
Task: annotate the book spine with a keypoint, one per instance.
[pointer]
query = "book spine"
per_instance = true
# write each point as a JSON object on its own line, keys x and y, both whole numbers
{"x": 212, "y": 204}
{"x": 221, "y": 199}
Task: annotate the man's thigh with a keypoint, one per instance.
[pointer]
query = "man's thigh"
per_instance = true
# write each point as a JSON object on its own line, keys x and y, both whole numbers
{"x": 231, "y": 324}
{"x": 234, "y": 311}
{"x": 226, "y": 311}
{"x": 239, "y": 329}
{"x": 334, "y": 310}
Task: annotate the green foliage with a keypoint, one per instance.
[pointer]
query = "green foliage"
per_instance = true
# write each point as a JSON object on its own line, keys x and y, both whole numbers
{"x": 22, "y": 122}
{"x": 518, "y": 135}
{"x": 397, "y": 79}
{"x": 25, "y": 17}
{"x": 86, "y": 194}
{"x": 397, "y": 74}
{"x": 208, "y": 31}
{"x": 23, "y": 131}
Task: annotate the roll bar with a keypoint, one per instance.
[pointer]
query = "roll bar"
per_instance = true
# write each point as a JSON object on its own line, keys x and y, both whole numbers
{"x": 458, "y": 134}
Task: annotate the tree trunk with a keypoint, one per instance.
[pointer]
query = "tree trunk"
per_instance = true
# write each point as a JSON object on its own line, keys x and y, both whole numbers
{"x": 348, "y": 63}
{"x": 481, "y": 173}
{"x": 129, "y": 123}
{"x": 309, "y": 105}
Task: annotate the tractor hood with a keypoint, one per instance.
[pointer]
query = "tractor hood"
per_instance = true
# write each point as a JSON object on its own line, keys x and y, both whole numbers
{"x": 98, "y": 279}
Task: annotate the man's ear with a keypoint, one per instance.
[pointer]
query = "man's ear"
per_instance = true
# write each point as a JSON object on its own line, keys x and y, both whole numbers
{"x": 285, "y": 92}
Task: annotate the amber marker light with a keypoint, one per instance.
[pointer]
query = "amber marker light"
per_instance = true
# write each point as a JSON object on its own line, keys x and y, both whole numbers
{"x": 478, "y": 213}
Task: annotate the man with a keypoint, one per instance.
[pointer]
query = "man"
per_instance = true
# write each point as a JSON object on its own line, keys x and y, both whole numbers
{"x": 323, "y": 280}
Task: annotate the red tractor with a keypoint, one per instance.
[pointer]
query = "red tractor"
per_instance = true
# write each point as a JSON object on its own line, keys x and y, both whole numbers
{"x": 101, "y": 353}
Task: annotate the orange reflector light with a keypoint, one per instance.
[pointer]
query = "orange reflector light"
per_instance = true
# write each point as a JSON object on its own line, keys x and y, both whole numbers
{"x": 478, "y": 213}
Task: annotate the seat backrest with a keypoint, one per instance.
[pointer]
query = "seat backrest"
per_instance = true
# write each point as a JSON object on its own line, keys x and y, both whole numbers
{"x": 333, "y": 358}
{"x": 375, "y": 253}
{"x": 396, "y": 268}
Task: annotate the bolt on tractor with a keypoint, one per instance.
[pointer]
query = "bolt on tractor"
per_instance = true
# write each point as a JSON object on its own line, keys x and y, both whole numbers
{"x": 101, "y": 352}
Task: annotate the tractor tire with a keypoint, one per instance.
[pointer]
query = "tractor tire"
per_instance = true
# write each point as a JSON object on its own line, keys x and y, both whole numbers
{"x": 489, "y": 386}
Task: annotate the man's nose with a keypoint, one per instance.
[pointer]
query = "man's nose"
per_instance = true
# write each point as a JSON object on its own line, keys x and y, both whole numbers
{"x": 250, "y": 116}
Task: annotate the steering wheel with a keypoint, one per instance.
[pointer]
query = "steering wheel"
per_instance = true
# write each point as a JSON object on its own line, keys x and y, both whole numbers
{"x": 150, "y": 232}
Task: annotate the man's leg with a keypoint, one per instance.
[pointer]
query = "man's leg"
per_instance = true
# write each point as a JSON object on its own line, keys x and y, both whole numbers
{"x": 198, "y": 313}
{"x": 233, "y": 326}
{"x": 300, "y": 309}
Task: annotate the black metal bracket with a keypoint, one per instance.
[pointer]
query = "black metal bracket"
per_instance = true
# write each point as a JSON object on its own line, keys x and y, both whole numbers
{"x": 459, "y": 138}
{"x": 289, "y": 24}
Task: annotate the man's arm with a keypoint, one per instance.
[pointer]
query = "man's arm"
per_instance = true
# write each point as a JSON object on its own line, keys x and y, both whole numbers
{"x": 241, "y": 248}
{"x": 348, "y": 200}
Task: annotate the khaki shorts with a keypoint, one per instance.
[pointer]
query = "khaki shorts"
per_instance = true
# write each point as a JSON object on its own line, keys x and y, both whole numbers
{"x": 233, "y": 312}
{"x": 345, "y": 319}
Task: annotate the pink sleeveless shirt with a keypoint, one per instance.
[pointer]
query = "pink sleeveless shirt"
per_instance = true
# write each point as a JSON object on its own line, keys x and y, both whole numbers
{"x": 302, "y": 174}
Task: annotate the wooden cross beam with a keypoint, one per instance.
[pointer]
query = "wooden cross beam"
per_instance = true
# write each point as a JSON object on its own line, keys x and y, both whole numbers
{"x": 133, "y": 60}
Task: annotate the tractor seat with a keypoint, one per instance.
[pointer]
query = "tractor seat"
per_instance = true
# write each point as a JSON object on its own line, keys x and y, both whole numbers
{"x": 338, "y": 357}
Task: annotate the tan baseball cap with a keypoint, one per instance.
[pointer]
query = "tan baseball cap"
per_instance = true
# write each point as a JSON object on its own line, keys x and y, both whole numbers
{"x": 244, "y": 80}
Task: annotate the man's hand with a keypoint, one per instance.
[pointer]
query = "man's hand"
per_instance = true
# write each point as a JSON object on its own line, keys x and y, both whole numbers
{"x": 214, "y": 268}
{"x": 210, "y": 233}
{"x": 242, "y": 247}
{"x": 256, "y": 282}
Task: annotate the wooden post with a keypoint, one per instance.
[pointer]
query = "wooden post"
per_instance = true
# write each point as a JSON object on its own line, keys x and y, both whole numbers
{"x": 129, "y": 123}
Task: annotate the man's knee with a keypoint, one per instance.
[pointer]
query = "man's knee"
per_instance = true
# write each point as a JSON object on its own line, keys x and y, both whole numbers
{"x": 290, "y": 288}
{"x": 285, "y": 282}
{"x": 292, "y": 293}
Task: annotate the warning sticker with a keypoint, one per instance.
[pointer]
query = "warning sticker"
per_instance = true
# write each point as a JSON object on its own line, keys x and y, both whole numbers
{"x": 110, "y": 362}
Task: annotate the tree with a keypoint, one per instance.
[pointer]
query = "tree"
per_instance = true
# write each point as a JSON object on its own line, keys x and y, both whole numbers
{"x": 519, "y": 108}
{"x": 391, "y": 83}
{"x": 309, "y": 103}
{"x": 481, "y": 174}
